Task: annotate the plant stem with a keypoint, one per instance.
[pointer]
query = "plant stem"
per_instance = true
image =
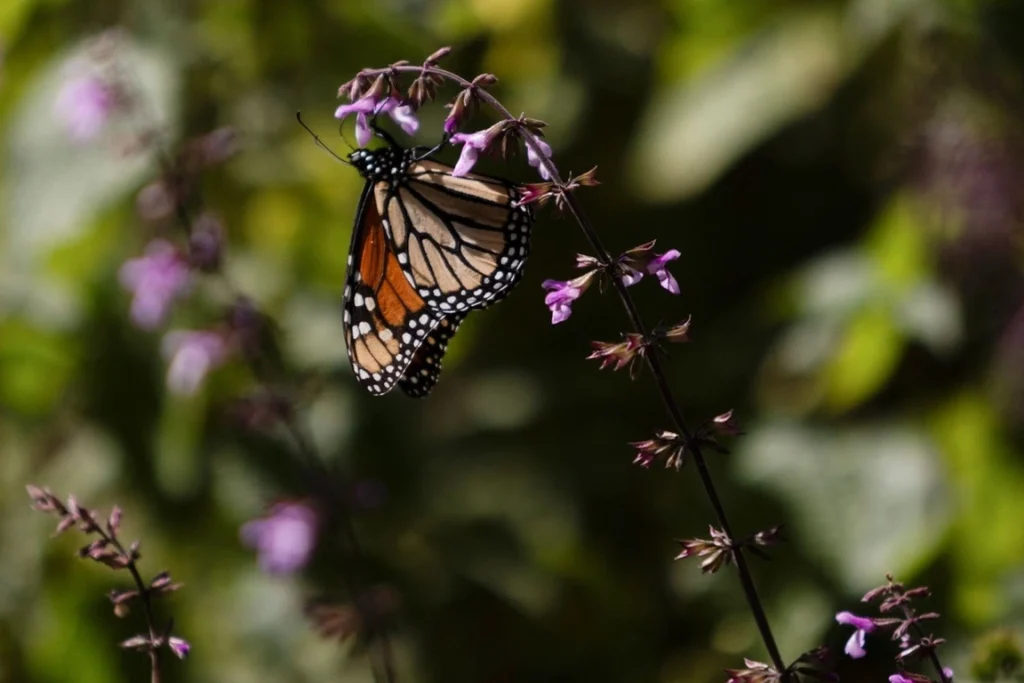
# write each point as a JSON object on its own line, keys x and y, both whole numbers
{"x": 653, "y": 362}
{"x": 147, "y": 604}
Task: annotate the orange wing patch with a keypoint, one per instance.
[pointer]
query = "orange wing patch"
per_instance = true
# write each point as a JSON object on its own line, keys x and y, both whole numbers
{"x": 386, "y": 321}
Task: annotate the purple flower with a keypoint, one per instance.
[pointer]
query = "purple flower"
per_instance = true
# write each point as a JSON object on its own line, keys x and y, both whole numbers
{"x": 562, "y": 294}
{"x": 84, "y": 104}
{"x": 537, "y": 160}
{"x": 179, "y": 646}
{"x": 156, "y": 278}
{"x": 657, "y": 267}
{"x": 630, "y": 275}
{"x": 193, "y": 354}
{"x": 473, "y": 144}
{"x": 864, "y": 626}
{"x": 284, "y": 539}
{"x": 451, "y": 123}
{"x": 403, "y": 115}
{"x": 900, "y": 678}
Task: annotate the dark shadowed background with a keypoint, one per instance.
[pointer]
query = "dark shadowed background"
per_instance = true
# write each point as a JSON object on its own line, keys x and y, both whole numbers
{"x": 844, "y": 181}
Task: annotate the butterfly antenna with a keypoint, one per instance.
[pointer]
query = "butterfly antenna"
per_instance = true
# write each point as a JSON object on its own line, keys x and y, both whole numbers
{"x": 341, "y": 133}
{"x": 318, "y": 141}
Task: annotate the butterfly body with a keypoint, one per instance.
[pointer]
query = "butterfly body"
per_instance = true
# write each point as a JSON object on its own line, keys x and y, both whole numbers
{"x": 428, "y": 247}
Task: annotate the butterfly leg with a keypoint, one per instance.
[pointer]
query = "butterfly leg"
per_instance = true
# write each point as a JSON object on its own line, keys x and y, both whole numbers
{"x": 380, "y": 132}
{"x": 445, "y": 139}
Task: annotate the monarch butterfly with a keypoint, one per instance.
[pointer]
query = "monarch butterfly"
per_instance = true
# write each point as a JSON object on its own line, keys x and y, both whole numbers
{"x": 427, "y": 248}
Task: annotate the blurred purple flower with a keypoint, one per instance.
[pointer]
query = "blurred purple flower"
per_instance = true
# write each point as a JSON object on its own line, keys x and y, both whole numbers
{"x": 179, "y": 646}
{"x": 900, "y": 678}
{"x": 657, "y": 267}
{"x": 864, "y": 626}
{"x": 473, "y": 144}
{"x": 284, "y": 539}
{"x": 156, "y": 278}
{"x": 535, "y": 159}
{"x": 403, "y": 115}
{"x": 84, "y": 104}
{"x": 192, "y": 354}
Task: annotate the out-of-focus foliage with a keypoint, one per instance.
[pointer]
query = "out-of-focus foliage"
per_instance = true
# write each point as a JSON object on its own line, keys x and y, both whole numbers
{"x": 844, "y": 179}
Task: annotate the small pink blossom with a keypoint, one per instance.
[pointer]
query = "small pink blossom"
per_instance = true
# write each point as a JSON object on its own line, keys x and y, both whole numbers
{"x": 156, "y": 279}
{"x": 536, "y": 160}
{"x": 192, "y": 354}
{"x": 473, "y": 144}
{"x": 560, "y": 298}
{"x": 657, "y": 267}
{"x": 403, "y": 115}
{"x": 179, "y": 646}
{"x": 84, "y": 105}
{"x": 864, "y": 626}
{"x": 284, "y": 539}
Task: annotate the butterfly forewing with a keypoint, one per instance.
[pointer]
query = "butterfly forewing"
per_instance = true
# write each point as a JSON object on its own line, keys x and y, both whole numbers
{"x": 462, "y": 241}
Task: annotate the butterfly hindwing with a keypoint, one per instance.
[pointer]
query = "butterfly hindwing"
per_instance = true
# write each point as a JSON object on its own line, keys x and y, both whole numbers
{"x": 422, "y": 373}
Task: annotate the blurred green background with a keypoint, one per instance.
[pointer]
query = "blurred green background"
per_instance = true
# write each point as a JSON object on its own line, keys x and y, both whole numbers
{"x": 844, "y": 181}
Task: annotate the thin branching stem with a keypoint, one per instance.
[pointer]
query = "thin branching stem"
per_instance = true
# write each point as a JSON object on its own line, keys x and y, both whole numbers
{"x": 145, "y": 595}
{"x": 653, "y": 362}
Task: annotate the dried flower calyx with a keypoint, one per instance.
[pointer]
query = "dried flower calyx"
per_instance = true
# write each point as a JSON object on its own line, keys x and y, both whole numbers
{"x": 618, "y": 355}
{"x": 540, "y": 193}
{"x": 717, "y": 551}
{"x": 809, "y": 665}
{"x": 665, "y": 445}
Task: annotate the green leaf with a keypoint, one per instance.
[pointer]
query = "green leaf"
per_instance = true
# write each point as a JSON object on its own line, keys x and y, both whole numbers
{"x": 867, "y": 355}
{"x": 846, "y": 488}
{"x": 987, "y": 481}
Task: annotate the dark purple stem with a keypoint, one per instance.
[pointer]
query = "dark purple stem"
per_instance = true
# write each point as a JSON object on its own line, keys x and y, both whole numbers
{"x": 653, "y": 362}
{"x": 933, "y": 656}
{"x": 147, "y": 603}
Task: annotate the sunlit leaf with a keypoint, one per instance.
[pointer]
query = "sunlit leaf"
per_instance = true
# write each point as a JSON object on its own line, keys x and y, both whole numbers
{"x": 34, "y": 367}
{"x": 897, "y": 245}
{"x": 987, "y": 480}
{"x": 693, "y": 131}
{"x": 865, "y": 359}
{"x": 846, "y": 487}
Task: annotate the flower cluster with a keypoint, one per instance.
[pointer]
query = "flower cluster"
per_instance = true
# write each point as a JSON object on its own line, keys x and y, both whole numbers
{"x": 810, "y": 665}
{"x": 340, "y": 622}
{"x": 505, "y": 135}
{"x": 906, "y": 629}
{"x": 718, "y": 551}
{"x": 166, "y": 271}
{"x": 673, "y": 448}
{"x": 629, "y": 268}
{"x": 107, "y": 549}
{"x": 618, "y": 355}
{"x": 540, "y": 193}
{"x": 638, "y": 261}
